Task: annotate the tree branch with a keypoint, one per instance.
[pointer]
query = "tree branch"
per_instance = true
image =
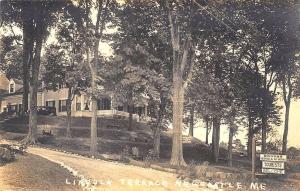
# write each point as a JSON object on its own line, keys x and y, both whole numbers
{"x": 104, "y": 17}
{"x": 15, "y": 36}
{"x": 271, "y": 80}
{"x": 284, "y": 90}
{"x": 186, "y": 51}
{"x": 290, "y": 86}
{"x": 190, "y": 72}
{"x": 98, "y": 18}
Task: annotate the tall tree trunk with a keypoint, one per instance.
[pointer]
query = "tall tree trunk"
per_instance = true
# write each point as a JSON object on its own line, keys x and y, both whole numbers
{"x": 231, "y": 132}
{"x": 250, "y": 135}
{"x": 159, "y": 114}
{"x": 27, "y": 58}
{"x": 207, "y": 129}
{"x": 178, "y": 99}
{"x": 93, "y": 146}
{"x": 216, "y": 138}
{"x": 94, "y": 119}
{"x": 263, "y": 130}
{"x": 156, "y": 141}
{"x": 98, "y": 29}
{"x": 32, "y": 132}
{"x": 180, "y": 53}
{"x": 191, "y": 129}
{"x": 69, "y": 112}
{"x": 287, "y": 95}
{"x": 130, "y": 118}
{"x": 286, "y": 128}
{"x": 25, "y": 68}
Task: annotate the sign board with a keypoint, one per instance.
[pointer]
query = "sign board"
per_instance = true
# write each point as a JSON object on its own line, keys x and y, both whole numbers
{"x": 272, "y": 164}
{"x": 186, "y": 139}
{"x": 272, "y": 157}
{"x": 273, "y": 171}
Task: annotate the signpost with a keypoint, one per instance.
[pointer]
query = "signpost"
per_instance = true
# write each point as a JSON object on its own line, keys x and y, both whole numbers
{"x": 272, "y": 163}
{"x": 253, "y": 158}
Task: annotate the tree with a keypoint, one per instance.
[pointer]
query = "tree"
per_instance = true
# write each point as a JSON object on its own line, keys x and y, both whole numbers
{"x": 183, "y": 47}
{"x": 36, "y": 17}
{"x": 293, "y": 153}
{"x": 133, "y": 80}
{"x": 93, "y": 36}
{"x": 285, "y": 56}
{"x": 65, "y": 67}
{"x": 238, "y": 146}
{"x": 254, "y": 43}
{"x": 142, "y": 63}
{"x": 208, "y": 128}
{"x": 192, "y": 114}
{"x": 267, "y": 39}
{"x": 19, "y": 14}
{"x": 233, "y": 127}
{"x": 11, "y": 57}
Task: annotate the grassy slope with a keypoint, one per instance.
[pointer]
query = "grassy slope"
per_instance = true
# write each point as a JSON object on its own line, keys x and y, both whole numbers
{"x": 31, "y": 172}
{"x": 112, "y": 139}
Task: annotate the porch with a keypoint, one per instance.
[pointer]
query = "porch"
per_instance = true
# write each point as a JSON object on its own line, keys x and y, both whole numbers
{"x": 111, "y": 113}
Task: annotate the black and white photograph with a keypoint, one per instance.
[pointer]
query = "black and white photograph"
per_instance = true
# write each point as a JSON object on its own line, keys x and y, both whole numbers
{"x": 149, "y": 95}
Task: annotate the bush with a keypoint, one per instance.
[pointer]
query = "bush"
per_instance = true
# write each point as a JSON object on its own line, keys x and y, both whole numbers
{"x": 293, "y": 153}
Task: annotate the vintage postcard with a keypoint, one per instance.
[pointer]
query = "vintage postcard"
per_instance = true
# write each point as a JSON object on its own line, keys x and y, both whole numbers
{"x": 149, "y": 95}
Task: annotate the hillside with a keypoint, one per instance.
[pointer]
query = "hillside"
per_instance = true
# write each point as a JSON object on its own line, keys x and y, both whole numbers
{"x": 113, "y": 137}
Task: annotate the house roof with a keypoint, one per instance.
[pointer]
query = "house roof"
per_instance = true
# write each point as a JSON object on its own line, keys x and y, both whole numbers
{"x": 17, "y": 81}
{"x": 6, "y": 94}
{"x": 3, "y": 91}
{"x": 18, "y": 92}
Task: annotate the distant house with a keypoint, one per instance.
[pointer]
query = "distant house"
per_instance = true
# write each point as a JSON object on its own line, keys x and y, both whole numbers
{"x": 11, "y": 92}
{"x": 3, "y": 82}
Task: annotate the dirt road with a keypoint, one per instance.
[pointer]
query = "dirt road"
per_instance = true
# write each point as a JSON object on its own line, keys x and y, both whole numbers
{"x": 112, "y": 176}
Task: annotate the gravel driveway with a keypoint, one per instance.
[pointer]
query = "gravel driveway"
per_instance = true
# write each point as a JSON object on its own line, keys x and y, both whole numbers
{"x": 110, "y": 176}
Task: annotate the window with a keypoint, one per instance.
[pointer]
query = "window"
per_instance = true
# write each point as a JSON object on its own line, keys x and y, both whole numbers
{"x": 61, "y": 85}
{"x": 86, "y": 107}
{"x": 20, "y": 108}
{"x": 120, "y": 108}
{"x": 86, "y": 103}
{"x": 11, "y": 88}
{"x": 50, "y": 103}
{"x": 139, "y": 110}
{"x": 62, "y": 105}
{"x": 104, "y": 104}
{"x": 13, "y": 107}
{"x": 78, "y": 104}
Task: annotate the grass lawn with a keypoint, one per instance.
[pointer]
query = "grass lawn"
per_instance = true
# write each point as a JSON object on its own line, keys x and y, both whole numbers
{"x": 34, "y": 173}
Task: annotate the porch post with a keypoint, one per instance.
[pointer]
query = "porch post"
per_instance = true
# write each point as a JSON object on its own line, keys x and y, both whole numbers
{"x": 111, "y": 102}
{"x": 90, "y": 106}
{"x": 43, "y": 98}
{"x": 146, "y": 109}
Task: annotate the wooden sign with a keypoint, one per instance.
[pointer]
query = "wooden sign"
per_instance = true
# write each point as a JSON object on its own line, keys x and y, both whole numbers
{"x": 186, "y": 139}
{"x": 272, "y": 164}
{"x": 273, "y": 171}
{"x": 272, "y": 157}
